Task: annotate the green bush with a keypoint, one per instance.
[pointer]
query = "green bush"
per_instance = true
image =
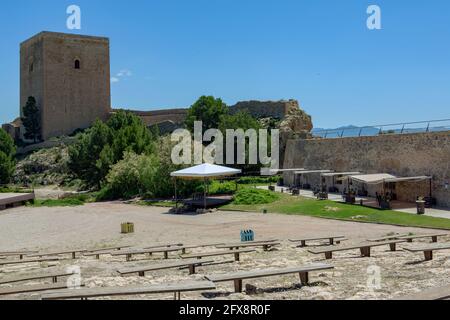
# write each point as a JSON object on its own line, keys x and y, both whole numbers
{"x": 14, "y": 190}
{"x": 259, "y": 180}
{"x": 249, "y": 196}
{"x": 217, "y": 187}
{"x": 7, "y": 153}
{"x": 143, "y": 175}
{"x": 132, "y": 176}
{"x": 103, "y": 145}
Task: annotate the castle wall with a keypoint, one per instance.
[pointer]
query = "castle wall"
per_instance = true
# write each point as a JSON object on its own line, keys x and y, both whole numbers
{"x": 419, "y": 154}
{"x": 266, "y": 109}
{"x": 258, "y": 109}
{"x": 151, "y": 118}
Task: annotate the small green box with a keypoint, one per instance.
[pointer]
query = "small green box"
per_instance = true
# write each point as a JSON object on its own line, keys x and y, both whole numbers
{"x": 127, "y": 227}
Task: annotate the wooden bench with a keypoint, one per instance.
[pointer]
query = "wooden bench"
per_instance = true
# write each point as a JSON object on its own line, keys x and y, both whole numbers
{"x": 303, "y": 271}
{"x": 19, "y": 254}
{"x": 332, "y": 240}
{"x": 363, "y": 247}
{"x": 162, "y": 266}
{"x": 48, "y": 259}
{"x": 54, "y": 276}
{"x": 387, "y": 238}
{"x": 105, "y": 251}
{"x": 265, "y": 245}
{"x": 440, "y": 293}
{"x": 434, "y": 237}
{"x": 87, "y": 293}
{"x": 130, "y": 253}
{"x": 108, "y": 249}
{"x": 428, "y": 250}
{"x": 236, "y": 254}
{"x": 195, "y": 246}
{"x": 164, "y": 246}
{"x": 97, "y": 254}
{"x": 33, "y": 288}
{"x": 56, "y": 253}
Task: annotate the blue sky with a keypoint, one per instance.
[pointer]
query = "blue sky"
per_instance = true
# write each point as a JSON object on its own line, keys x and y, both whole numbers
{"x": 317, "y": 51}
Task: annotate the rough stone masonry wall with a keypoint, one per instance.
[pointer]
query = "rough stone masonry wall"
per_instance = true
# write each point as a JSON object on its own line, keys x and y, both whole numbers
{"x": 401, "y": 155}
{"x": 69, "y": 98}
{"x": 263, "y": 109}
{"x": 258, "y": 109}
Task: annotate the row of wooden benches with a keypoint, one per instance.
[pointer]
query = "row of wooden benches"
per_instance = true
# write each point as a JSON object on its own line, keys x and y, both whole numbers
{"x": 128, "y": 252}
{"x": 192, "y": 264}
{"x": 365, "y": 249}
{"x": 208, "y": 283}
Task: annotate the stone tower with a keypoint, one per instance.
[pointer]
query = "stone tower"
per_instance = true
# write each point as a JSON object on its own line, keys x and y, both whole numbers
{"x": 69, "y": 76}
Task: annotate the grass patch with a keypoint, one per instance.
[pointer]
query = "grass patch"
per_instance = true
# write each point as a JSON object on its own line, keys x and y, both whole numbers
{"x": 251, "y": 196}
{"x": 14, "y": 190}
{"x": 332, "y": 210}
{"x": 164, "y": 204}
{"x": 69, "y": 202}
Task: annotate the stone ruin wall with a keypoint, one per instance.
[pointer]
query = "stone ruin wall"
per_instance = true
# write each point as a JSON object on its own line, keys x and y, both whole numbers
{"x": 266, "y": 109}
{"x": 258, "y": 109}
{"x": 419, "y": 154}
{"x": 151, "y": 118}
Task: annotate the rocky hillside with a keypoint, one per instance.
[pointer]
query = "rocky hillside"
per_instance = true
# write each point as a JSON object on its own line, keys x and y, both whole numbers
{"x": 44, "y": 167}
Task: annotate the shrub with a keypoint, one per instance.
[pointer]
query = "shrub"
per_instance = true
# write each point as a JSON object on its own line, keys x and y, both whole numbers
{"x": 132, "y": 176}
{"x": 7, "y": 153}
{"x": 249, "y": 196}
{"x": 216, "y": 187}
{"x": 259, "y": 180}
{"x": 103, "y": 145}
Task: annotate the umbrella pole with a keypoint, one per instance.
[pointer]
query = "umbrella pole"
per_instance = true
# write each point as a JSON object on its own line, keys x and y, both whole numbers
{"x": 176, "y": 196}
{"x": 204, "y": 195}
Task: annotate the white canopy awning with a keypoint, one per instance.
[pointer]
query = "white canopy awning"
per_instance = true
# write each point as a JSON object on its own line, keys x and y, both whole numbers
{"x": 337, "y": 174}
{"x": 409, "y": 179}
{"x": 312, "y": 171}
{"x": 205, "y": 170}
{"x": 372, "y": 178}
{"x": 285, "y": 170}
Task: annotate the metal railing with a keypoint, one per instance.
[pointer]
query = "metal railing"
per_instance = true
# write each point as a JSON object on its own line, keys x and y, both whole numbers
{"x": 376, "y": 130}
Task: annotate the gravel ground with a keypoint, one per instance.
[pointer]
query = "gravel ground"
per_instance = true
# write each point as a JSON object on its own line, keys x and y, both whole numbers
{"x": 98, "y": 225}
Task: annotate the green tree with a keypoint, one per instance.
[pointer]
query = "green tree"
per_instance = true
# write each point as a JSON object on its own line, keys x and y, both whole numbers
{"x": 85, "y": 153}
{"x": 7, "y": 152}
{"x": 207, "y": 109}
{"x": 103, "y": 145}
{"x": 241, "y": 120}
{"x": 32, "y": 120}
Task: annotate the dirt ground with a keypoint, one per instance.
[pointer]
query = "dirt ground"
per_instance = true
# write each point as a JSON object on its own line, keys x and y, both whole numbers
{"x": 98, "y": 225}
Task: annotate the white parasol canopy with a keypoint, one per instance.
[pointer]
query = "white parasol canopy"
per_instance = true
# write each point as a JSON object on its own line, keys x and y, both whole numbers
{"x": 205, "y": 170}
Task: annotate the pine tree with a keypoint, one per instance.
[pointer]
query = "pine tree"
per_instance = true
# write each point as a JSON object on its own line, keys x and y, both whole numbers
{"x": 32, "y": 120}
